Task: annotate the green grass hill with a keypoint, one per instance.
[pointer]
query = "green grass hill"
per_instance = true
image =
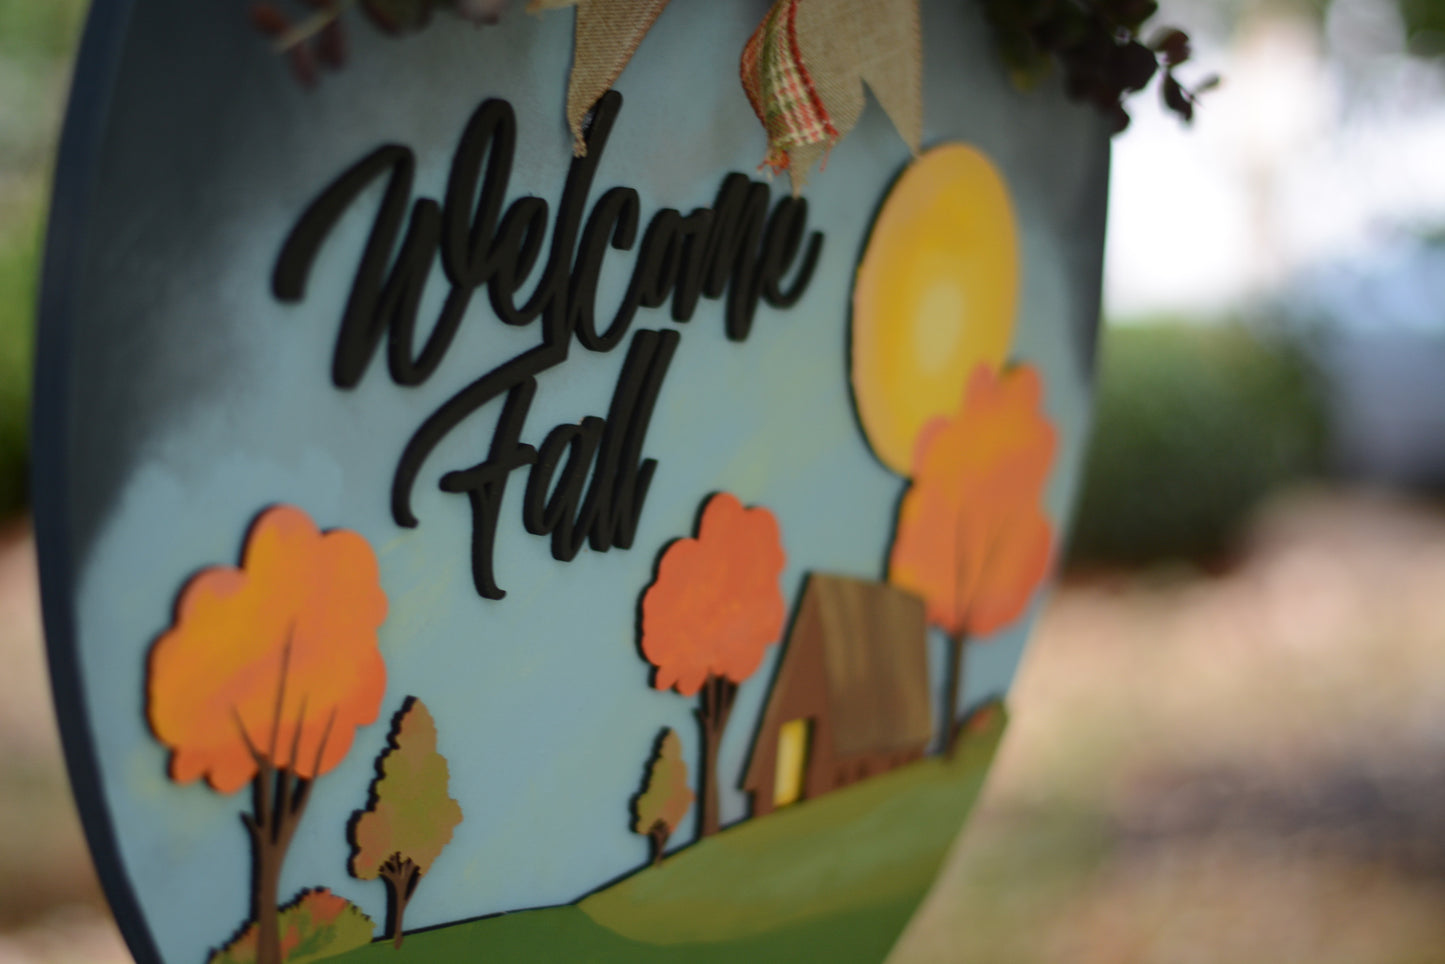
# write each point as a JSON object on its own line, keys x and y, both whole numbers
{"x": 835, "y": 878}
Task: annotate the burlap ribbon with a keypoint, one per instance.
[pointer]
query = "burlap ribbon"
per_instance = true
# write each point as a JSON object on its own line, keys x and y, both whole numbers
{"x": 605, "y": 38}
{"x": 803, "y": 69}
{"x": 805, "y": 66}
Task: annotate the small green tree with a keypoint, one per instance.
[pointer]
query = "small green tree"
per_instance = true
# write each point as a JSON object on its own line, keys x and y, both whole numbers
{"x": 665, "y": 797}
{"x": 410, "y": 817}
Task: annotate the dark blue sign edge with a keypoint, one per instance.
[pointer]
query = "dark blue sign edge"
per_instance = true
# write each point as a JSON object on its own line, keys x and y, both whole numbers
{"x": 67, "y": 237}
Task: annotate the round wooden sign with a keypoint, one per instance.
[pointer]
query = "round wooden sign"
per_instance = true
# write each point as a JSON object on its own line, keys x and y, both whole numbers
{"x": 568, "y": 488}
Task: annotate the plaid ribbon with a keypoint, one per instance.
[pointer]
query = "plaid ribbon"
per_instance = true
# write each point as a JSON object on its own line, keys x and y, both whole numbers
{"x": 803, "y": 69}
{"x": 780, "y": 88}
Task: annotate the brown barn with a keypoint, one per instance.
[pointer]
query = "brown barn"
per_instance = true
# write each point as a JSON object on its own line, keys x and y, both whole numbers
{"x": 850, "y": 697}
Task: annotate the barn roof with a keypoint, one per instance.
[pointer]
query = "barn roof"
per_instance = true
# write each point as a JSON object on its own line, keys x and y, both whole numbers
{"x": 874, "y": 643}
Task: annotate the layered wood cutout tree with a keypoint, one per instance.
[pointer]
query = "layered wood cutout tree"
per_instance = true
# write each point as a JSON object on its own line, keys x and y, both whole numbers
{"x": 710, "y": 615}
{"x": 410, "y": 817}
{"x": 665, "y": 798}
{"x": 973, "y": 539}
{"x": 263, "y": 678}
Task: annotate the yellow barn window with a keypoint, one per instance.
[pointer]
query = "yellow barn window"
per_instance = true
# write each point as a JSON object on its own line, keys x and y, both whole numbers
{"x": 793, "y": 740}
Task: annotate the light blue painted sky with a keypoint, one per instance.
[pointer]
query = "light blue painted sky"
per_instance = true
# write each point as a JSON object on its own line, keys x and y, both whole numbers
{"x": 200, "y": 399}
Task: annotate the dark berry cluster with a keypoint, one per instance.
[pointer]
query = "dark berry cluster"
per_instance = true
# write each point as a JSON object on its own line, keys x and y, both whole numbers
{"x": 1099, "y": 47}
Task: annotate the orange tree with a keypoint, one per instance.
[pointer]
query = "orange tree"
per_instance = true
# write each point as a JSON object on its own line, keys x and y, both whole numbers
{"x": 264, "y": 676}
{"x": 973, "y": 540}
{"x": 709, "y": 616}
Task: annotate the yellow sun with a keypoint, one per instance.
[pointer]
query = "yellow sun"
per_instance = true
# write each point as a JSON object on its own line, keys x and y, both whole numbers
{"x": 936, "y": 296}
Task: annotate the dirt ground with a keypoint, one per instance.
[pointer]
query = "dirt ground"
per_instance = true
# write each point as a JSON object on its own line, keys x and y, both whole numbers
{"x": 1242, "y": 768}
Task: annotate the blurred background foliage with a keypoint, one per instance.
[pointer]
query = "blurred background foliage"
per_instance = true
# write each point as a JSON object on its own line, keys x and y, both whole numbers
{"x": 1425, "y": 26}
{"x": 1195, "y": 427}
{"x": 40, "y": 30}
{"x": 37, "y": 41}
{"x": 18, "y": 267}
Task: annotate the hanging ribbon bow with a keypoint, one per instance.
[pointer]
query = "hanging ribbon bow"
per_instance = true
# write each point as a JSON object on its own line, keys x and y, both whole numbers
{"x": 803, "y": 69}
{"x": 805, "y": 66}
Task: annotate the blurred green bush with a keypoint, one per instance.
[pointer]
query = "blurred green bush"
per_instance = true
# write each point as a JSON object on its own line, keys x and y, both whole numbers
{"x": 19, "y": 268}
{"x": 1194, "y": 426}
{"x": 40, "y": 29}
{"x": 37, "y": 41}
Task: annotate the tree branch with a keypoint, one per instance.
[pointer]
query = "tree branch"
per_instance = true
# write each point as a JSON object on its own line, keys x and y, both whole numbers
{"x": 303, "y": 784}
{"x": 296, "y": 736}
{"x": 281, "y": 689}
{"x": 261, "y": 791}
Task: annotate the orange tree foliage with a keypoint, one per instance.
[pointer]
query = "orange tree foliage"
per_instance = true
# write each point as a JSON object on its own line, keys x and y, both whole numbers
{"x": 263, "y": 678}
{"x": 708, "y": 618}
{"x": 716, "y": 605}
{"x": 973, "y": 539}
{"x": 278, "y": 656}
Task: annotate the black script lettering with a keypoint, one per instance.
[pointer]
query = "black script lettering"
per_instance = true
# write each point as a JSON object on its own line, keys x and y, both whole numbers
{"x": 621, "y": 477}
{"x": 657, "y": 261}
{"x": 486, "y": 484}
{"x": 616, "y": 213}
{"x": 550, "y": 299}
{"x": 372, "y": 305}
{"x": 620, "y": 483}
{"x": 518, "y": 243}
{"x": 471, "y": 219}
{"x": 785, "y": 234}
{"x": 734, "y": 249}
{"x": 737, "y": 229}
{"x": 557, "y": 514}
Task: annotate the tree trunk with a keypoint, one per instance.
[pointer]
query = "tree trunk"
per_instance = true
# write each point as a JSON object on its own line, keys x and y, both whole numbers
{"x": 265, "y": 901}
{"x": 278, "y": 801}
{"x": 658, "y": 835}
{"x": 717, "y": 696}
{"x": 401, "y": 877}
{"x": 952, "y": 687}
